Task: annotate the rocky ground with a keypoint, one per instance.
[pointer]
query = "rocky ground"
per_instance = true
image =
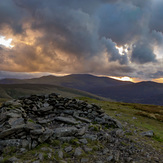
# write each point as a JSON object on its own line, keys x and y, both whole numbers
{"x": 50, "y": 128}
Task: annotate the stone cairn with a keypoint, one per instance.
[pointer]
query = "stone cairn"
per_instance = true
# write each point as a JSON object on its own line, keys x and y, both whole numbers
{"x": 30, "y": 121}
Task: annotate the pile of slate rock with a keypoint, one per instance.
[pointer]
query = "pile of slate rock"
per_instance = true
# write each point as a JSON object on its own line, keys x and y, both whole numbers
{"x": 28, "y": 122}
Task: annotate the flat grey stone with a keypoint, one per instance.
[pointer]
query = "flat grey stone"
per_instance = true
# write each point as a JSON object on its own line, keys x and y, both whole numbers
{"x": 70, "y": 112}
{"x": 83, "y": 119}
{"x": 68, "y": 149}
{"x": 40, "y": 156}
{"x": 87, "y": 149}
{"x": 32, "y": 126}
{"x": 110, "y": 158}
{"x": 8, "y": 132}
{"x": 66, "y": 120}
{"x": 13, "y": 103}
{"x": 45, "y": 135}
{"x": 49, "y": 155}
{"x": 78, "y": 152}
{"x": 115, "y": 122}
{"x": 36, "y": 132}
{"x": 95, "y": 113}
{"x": 34, "y": 144}
{"x": 118, "y": 124}
{"x": 23, "y": 150}
{"x": 91, "y": 137}
{"x": 82, "y": 131}
{"x": 46, "y": 109}
{"x": 99, "y": 120}
{"x": 148, "y": 133}
{"x": 66, "y": 139}
{"x": 84, "y": 141}
{"x": 60, "y": 154}
{"x": 65, "y": 131}
{"x": 16, "y": 121}
{"x": 13, "y": 115}
{"x": 46, "y": 149}
{"x": 89, "y": 106}
{"x": 13, "y": 159}
{"x": 46, "y": 104}
{"x": 134, "y": 118}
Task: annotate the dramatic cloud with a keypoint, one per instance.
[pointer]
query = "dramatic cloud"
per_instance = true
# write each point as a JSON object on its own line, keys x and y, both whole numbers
{"x": 143, "y": 53}
{"x": 60, "y": 36}
{"x": 156, "y": 16}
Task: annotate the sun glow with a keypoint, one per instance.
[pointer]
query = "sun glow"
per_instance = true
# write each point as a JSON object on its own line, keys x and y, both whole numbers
{"x": 6, "y": 42}
{"x": 159, "y": 80}
{"x": 122, "y": 49}
{"x": 124, "y": 78}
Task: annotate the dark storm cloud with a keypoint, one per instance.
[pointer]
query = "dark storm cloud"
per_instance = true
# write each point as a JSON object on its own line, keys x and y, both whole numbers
{"x": 156, "y": 22}
{"x": 67, "y": 27}
{"x": 143, "y": 53}
{"x": 138, "y": 3}
{"x": 75, "y": 36}
{"x": 150, "y": 74}
{"x": 11, "y": 15}
{"x": 158, "y": 37}
{"x": 121, "y": 22}
{"x": 113, "y": 53}
{"x": 158, "y": 74}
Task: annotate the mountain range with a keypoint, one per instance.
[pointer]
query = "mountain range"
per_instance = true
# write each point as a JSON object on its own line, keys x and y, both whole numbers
{"x": 142, "y": 92}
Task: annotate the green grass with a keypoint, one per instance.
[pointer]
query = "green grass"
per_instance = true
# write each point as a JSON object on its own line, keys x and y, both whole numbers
{"x": 10, "y": 91}
{"x": 126, "y": 111}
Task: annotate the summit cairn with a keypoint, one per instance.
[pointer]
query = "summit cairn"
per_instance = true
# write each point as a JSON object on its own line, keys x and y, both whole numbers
{"x": 61, "y": 129}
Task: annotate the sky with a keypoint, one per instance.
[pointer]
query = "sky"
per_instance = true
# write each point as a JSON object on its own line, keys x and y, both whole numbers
{"x": 117, "y": 38}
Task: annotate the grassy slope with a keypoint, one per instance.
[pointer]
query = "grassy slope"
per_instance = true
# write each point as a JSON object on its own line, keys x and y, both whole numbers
{"x": 141, "y": 122}
{"x": 18, "y": 90}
